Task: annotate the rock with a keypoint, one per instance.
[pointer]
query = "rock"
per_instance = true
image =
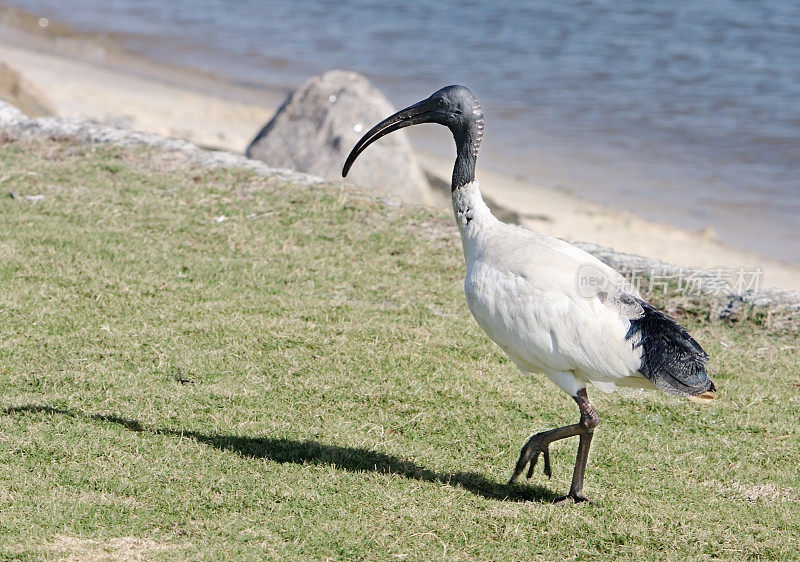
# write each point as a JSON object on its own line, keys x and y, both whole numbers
{"x": 19, "y": 92}
{"x": 320, "y": 122}
{"x": 10, "y": 115}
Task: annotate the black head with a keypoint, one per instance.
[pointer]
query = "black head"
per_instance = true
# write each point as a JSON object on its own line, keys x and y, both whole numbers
{"x": 455, "y": 107}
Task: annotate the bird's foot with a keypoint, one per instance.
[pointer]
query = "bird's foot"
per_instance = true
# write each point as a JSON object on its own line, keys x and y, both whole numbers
{"x": 535, "y": 446}
{"x": 573, "y": 497}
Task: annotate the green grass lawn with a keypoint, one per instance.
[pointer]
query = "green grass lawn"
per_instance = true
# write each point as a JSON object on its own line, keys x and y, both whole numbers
{"x": 343, "y": 404}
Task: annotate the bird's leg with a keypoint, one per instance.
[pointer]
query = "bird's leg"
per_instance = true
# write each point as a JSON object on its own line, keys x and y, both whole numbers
{"x": 589, "y": 420}
{"x": 539, "y": 443}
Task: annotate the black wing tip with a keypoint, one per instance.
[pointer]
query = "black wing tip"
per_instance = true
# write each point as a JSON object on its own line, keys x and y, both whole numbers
{"x": 671, "y": 358}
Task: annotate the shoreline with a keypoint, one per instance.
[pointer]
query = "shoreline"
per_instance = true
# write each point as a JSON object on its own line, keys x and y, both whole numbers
{"x": 88, "y": 78}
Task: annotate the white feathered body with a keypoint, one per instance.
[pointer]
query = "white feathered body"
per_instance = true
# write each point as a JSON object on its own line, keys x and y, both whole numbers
{"x": 527, "y": 292}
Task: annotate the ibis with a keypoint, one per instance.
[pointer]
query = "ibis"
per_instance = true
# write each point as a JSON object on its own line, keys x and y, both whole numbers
{"x": 551, "y": 307}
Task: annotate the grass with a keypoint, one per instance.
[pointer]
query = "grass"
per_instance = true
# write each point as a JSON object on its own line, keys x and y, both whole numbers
{"x": 342, "y": 404}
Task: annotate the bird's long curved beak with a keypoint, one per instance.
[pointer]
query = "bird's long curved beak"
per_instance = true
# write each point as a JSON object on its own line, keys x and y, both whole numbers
{"x": 420, "y": 112}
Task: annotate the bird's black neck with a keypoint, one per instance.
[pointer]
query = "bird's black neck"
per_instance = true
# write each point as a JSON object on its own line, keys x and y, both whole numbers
{"x": 468, "y": 140}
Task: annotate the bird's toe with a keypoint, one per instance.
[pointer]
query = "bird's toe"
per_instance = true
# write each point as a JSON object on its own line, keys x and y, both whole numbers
{"x": 573, "y": 497}
{"x": 529, "y": 456}
{"x": 545, "y": 452}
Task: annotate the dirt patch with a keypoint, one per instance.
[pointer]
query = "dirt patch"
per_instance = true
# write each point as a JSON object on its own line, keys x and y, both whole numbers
{"x": 768, "y": 492}
{"x": 20, "y": 93}
{"x": 119, "y": 548}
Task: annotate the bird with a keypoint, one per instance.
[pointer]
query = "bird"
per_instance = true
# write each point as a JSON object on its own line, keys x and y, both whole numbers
{"x": 553, "y": 308}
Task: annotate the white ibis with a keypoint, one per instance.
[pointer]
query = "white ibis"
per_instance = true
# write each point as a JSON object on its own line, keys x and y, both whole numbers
{"x": 554, "y": 309}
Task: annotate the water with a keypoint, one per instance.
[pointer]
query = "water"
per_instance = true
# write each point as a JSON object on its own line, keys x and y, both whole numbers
{"x": 685, "y": 112}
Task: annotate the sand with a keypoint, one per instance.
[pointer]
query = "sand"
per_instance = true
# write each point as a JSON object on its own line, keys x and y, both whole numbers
{"x": 85, "y": 80}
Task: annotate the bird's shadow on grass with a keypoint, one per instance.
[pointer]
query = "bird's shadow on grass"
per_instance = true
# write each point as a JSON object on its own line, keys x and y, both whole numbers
{"x": 351, "y": 459}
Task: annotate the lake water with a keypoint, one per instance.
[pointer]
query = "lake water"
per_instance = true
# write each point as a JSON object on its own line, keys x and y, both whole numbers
{"x": 685, "y": 112}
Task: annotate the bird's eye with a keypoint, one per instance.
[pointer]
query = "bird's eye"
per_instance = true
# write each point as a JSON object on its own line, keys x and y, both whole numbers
{"x": 440, "y": 101}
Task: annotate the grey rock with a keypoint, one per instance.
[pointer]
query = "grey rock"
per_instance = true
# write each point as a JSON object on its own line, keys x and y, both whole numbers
{"x": 320, "y": 122}
{"x": 10, "y": 115}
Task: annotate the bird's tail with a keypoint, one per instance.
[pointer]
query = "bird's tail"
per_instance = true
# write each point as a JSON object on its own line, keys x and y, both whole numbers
{"x": 705, "y": 397}
{"x": 671, "y": 359}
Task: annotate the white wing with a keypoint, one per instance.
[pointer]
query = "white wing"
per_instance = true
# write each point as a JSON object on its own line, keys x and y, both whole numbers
{"x": 552, "y": 307}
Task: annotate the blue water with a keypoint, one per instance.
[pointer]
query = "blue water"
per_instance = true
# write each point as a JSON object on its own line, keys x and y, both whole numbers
{"x": 686, "y": 112}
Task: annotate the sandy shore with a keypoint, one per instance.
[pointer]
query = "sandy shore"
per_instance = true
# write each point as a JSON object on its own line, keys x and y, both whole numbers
{"x": 81, "y": 89}
{"x": 91, "y": 81}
